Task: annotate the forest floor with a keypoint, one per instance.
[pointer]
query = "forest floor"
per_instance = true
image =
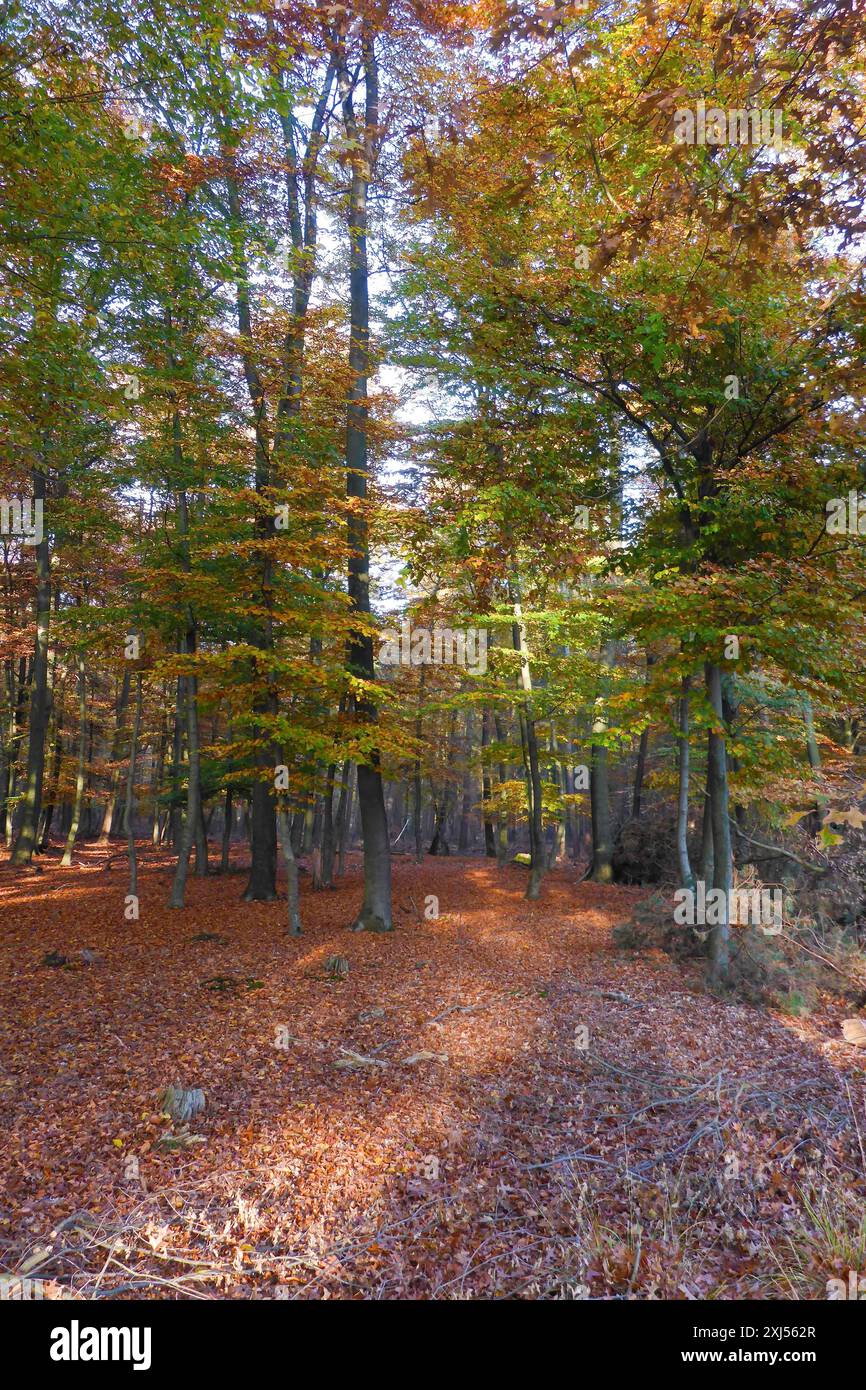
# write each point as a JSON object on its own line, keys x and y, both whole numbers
{"x": 435, "y": 1125}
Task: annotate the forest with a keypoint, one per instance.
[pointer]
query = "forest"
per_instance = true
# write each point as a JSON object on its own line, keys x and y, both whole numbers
{"x": 433, "y": 704}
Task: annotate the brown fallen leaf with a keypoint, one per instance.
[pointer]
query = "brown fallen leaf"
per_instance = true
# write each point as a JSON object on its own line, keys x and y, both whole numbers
{"x": 854, "y": 1032}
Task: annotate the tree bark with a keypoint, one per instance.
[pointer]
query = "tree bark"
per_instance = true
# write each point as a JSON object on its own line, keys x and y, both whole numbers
{"x": 344, "y": 816}
{"x": 66, "y": 861}
{"x": 599, "y": 788}
{"x": 722, "y": 857}
{"x": 486, "y": 789}
{"x": 120, "y": 719}
{"x": 326, "y": 872}
{"x": 687, "y": 878}
{"x": 812, "y": 750}
{"x": 639, "y": 773}
{"x": 529, "y": 741}
{"x": 130, "y": 792}
{"x": 193, "y": 787}
{"x": 228, "y": 813}
{"x": 375, "y": 913}
{"x": 25, "y": 844}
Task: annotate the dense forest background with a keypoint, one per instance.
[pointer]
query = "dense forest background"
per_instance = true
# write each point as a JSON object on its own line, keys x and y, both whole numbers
{"x": 437, "y": 429}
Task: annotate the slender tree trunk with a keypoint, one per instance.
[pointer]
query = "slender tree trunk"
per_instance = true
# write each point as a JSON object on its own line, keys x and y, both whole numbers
{"x": 227, "y": 831}
{"x": 812, "y": 750}
{"x": 722, "y": 856}
{"x": 344, "y": 816}
{"x": 529, "y": 740}
{"x": 116, "y": 743}
{"x": 25, "y": 844}
{"x": 599, "y": 782}
{"x": 201, "y": 860}
{"x": 486, "y": 789}
{"x": 599, "y": 797}
{"x": 285, "y": 837}
{"x": 194, "y": 830}
{"x": 261, "y": 885}
{"x": 375, "y": 914}
{"x": 175, "y": 816}
{"x": 130, "y": 792}
{"x": 55, "y": 759}
{"x": 158, "y": 772}
{"x": 640, "y": 770}
{"x": 18, "y": 703}
{"x": 639, "y": 773}
{"x": 466, "y": 803}
{"x": 66, "y": 861}
{"x": 309, "y": 834}
{"x": 439, "y": 843}
{"x": 687, "y": 878}
{"x": 187, "y": 834}
{"x": 284, "y": 834}
{"x": 707, "y": 827}
{"x": 559, "y": 838}
{"x": 417, "y": 801}
{"x": 326, "y": 874}
{"x": 501, "y": 819}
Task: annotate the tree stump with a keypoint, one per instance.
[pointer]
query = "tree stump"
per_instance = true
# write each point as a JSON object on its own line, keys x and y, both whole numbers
{"x": 181, "y": 1104}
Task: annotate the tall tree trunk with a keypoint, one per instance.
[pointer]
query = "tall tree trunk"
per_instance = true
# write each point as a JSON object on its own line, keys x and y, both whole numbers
{"x": 261, "y": 885}
{"x": 639, "y": 773}
{"x": 375, "y": 913}
{"x": 175, "y": 817}
{"x": 130, "y": 792}
{"x": 201, "y": 860}
{"x": 417, "y": 802}
{"x": 326, "y": 872}
{"x": 116, "y": 743}
{"x": 285, "y": 837}
{"x": 188, "y": 830}
{"x": 529, "y": 740}
{"x": 486, "y": 789}
{"x": 22, "y": 851}
{"x": 687, "y": 878}
{"x": 66, "y": 861}
{"x": 439, "y": 843}
{"x": 227, "y": 831}
{"x": 466, "y": 803}
{"x": 599, "y": 785}
{"x": 158, "y": 771}
{"x": 501, "y": 819}
{"x": 722, "y": 857}
{"x": 707, "y": 826}
{"x": 193, "y": 788}
{"x": 812, "y": 750}
{"x": 17, "y": 707}
{"x": 55, "y": 758}
{"x": 599, "y": 798}
{"x": 344, "y": 816}
{"x": 640, "y": 770}
{"x": 283, "y": 824}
